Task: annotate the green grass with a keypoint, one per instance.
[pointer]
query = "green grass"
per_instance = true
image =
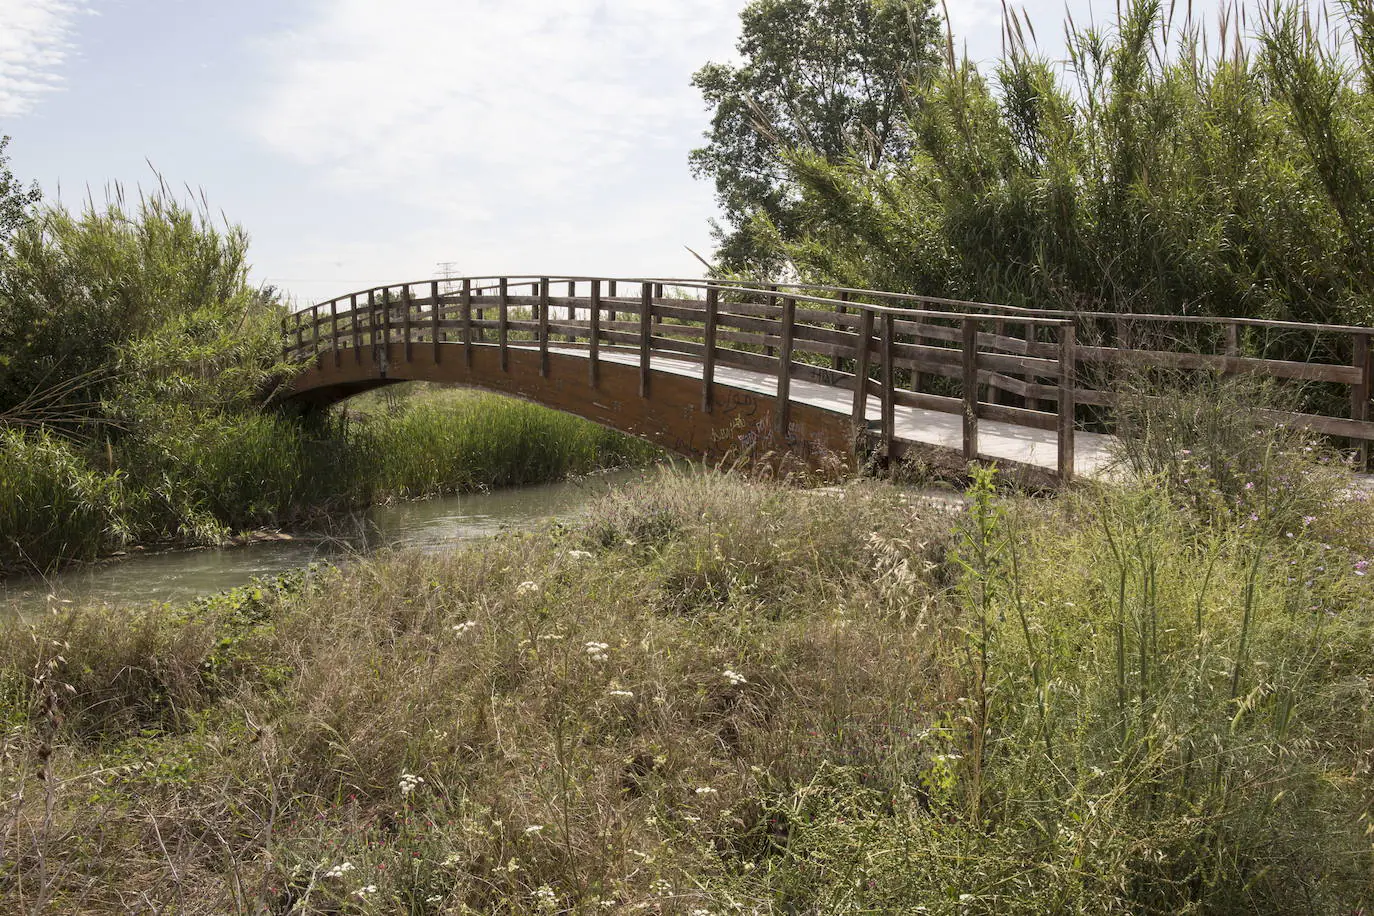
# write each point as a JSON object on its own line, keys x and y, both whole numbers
{"x": 200, "y": 479}
{"x": 429, "y": 441}
{"x": 723, "y": 695}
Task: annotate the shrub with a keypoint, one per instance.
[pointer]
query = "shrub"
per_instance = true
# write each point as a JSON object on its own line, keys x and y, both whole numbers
{"x": 54, "y": 506}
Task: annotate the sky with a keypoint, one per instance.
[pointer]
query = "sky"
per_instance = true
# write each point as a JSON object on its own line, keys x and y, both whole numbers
{"x": 363, "y": 142}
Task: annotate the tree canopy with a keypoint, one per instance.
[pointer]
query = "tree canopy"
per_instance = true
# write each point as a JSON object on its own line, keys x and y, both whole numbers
{"x": 16, "y": 200}
{"x": 831, "y": 77}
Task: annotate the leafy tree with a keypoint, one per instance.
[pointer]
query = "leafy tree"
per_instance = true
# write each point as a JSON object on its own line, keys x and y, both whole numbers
{"x": 15, "y": 199}
{"x": 830, "y": 77}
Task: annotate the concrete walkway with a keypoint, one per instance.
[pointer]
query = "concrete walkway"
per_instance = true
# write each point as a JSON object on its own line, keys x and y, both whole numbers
{"x": 1001, "y": 441}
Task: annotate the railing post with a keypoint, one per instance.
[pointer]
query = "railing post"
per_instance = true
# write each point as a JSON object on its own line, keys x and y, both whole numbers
{"x": 315, "y": 333}
{"x": 543, "y": 307}
{"x": 646, "y": 308}
{"x": 594, "y": 335}
{"x": 334, "y": 331}
{"x": 970, "y": 365}
{"x": 479, "y": 333}
{"x": 357, "y": 330}
{"x": 840, "y": 310}
{"x": 889, "y": 392}
{"x": 435, "y": 312}
{"x": 467, "y": 322}
{"x": 386, "y": 330}
{"x": 782, "y": 410}
{"x": 611, "y": 294}
{"x": 1067, "y": 384}
{"x": 1232, "y": 339}
{"x": 1360, "y": 393}
{"x": 405, "y": 318}
{"x": 861, "y": 362}
{"x": 503, "y": 321}
{"x": 571, "y": 335}
{"x": 997, "y": 394}
{"x": 658, "y": 294}
{"x": 285, "y": 337}
{"x": 771, "y": 301}
{"x": 300, "y": 334}
{"x": 708, "y": 358}
{"x": 372, "y": 325}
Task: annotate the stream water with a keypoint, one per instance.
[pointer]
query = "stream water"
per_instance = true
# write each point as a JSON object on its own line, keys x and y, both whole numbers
{"x": 433, "y": 524}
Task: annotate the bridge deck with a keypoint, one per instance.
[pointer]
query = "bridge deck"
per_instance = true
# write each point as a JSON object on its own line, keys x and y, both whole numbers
{"x": 1001, "y": 441}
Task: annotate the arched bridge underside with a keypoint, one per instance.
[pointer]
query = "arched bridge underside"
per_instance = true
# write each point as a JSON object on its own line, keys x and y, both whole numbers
{"x": 710, "y": 369}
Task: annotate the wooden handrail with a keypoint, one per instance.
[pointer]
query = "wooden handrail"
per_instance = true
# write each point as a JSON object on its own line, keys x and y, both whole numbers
{"x": 1029, "y": 364}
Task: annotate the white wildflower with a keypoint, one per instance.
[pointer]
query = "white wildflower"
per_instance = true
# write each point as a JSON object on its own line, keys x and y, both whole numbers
{"x": 533, "y": 829}
{"x": 626, "y": 694}
{"x": 580, "y": 554}
{"x": 462, "y": 628}
{"x": 597, "y": 650}
{"x": 365, "y": 890}
{"x": 705, "y": 790}
{"x": 546, "y": 899}
{"x": 734, "y": 677}
{"x": 526, "y": 588}
{"x": 338, "y": 871}
{"x": 410, "y": 782}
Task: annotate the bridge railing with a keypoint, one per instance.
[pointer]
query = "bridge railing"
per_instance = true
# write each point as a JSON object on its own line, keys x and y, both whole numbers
{"x": 1037, "y": 370}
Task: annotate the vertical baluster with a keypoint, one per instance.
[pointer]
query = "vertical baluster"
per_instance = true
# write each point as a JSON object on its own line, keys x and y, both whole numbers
{"x": 406, "y": 307}
{"x": 334, "y": 331}
{"x": 708, "y": 359}
{"x": 594, "y": 335}
{"x": 646, "y": 308}
{"x": 888, "y": 387}
{"x": 970, "y": 385}
{"x": 610, "y": 292}
{"x": 1360, "y": 393}
{"x": 996, "y": 394}
{"x": 771, "y": 301}
{"x": 861, "y": 363}
{"x": 543, "y": 306}
{"x": 435, "y": 314}
{"x": 356, "y": 328}
{"x": 466, "y": 305}
{"x": 841, "y": 310}
{"x": 1067, "y": 384}
{"x": 782, "y": 411}
{"x": 503, "y": 321}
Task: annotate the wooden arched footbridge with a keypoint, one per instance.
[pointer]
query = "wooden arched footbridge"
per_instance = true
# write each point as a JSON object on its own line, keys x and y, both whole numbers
{"x": 707, "y": 368}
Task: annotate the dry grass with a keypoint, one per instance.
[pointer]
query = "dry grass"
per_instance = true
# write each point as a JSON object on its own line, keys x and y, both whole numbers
{"x": 714, "y": 695}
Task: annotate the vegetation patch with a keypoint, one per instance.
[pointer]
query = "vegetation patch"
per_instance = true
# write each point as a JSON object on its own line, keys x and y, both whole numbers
{"x": 712, "y": 694}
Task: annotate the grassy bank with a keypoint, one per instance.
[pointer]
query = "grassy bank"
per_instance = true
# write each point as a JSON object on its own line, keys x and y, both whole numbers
{"x": 714, "y": 695}
{"x": 204, "y": 480}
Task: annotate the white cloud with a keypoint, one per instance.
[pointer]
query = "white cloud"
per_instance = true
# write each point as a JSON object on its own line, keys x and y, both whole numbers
{"x": 34, "y": 44}
{"x": 432, "y": 97}
{"x": 518, "y": 133}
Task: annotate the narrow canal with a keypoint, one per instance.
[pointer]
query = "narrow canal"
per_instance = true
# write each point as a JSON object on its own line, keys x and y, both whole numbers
{"x": 432, "y": 524}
